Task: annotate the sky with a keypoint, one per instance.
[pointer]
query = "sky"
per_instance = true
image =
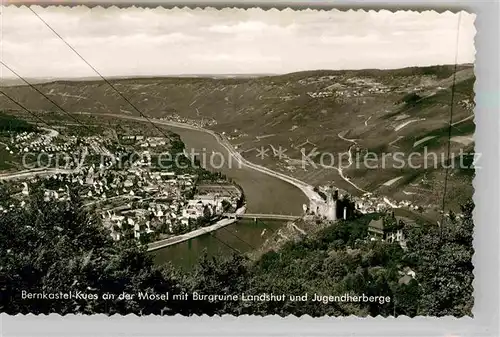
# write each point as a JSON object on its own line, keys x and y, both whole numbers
{"x": 160, "y": 42}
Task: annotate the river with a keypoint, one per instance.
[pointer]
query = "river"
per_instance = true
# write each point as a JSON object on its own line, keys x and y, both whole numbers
{"x": 263, "y": 194}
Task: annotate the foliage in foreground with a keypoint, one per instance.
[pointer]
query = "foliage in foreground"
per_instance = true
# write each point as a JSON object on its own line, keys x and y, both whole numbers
{"x": 58, "y": 247}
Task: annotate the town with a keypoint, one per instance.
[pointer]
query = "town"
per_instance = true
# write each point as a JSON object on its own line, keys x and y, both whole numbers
{"x": 135, "y": 193}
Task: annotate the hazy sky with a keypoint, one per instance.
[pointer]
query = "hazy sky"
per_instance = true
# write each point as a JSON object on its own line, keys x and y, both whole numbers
{"x": 135, "y": 41}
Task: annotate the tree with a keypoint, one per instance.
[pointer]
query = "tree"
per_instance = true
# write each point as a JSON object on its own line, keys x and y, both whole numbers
{"x": 226, "y": 205}
{"x": 207, "y": 213}
{"x": 411, "y": 99}
{"x": 218, "y": 275}
{"x": 443, "y": 263}
{"x": 58, "y": 247}
{"x": 9, "y": 123}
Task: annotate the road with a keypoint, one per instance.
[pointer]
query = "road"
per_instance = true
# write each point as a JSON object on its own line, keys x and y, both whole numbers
{"x": 43, "y": 170}
{"x": 346, "y": 139}
{"x": 462, "y": 120}
{"x": 262, "y": 216}
{"x": 388, "y": 202}
{"x": 307, "y": 189}
{"x": 34, "y": 172}
{"x": 341, "y": 173}
{"x": 191, "y": 235}
{"x": 340, "y": 169}
{"x": 52, "y": 133}
{"x": 121, "y": 196}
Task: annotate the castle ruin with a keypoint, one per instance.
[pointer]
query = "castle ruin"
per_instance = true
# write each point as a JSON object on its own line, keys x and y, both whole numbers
{"x": 332, "y": 208}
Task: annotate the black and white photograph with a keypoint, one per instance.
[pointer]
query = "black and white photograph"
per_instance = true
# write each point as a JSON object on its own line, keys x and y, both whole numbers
{"x": 203, "y": 161}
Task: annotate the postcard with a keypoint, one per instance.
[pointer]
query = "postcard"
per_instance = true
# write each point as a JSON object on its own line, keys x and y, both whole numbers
{"x": 236, "y": 161}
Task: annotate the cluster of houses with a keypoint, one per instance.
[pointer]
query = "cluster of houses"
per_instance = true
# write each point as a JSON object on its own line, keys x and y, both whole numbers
{"x": 103, "y": 184}
{"x": 467, "y": 104}
{"x": 320, "y": 94}
{"x": 350, "y": 87}
{"x": 139, "y": 201}
{"x": 152, "y": 142}
{"x": 369, "y": 203}
{"x": 346, "y": 88}
{"x": 205, "y": 122}
{"x": 34, "y": 142}
{"x": 164, "y": 215}
{"x": 144, "y": 142}
{"x": 137, "y": 198}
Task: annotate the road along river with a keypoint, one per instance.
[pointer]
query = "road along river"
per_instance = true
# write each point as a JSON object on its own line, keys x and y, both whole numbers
{"x": 266, "y": 191}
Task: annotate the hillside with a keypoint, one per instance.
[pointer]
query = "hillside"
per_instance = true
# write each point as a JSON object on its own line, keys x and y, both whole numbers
{"x": 380, "y": 111}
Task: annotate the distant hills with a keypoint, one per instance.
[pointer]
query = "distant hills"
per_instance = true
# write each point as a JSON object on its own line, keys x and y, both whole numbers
{"x": 35, "y": 80}
{"x": 6, "y": 82}
{"x": 381, "y": 111}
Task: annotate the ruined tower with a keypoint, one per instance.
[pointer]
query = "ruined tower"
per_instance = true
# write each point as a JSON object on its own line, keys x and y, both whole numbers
{"x": 331, "y": 206}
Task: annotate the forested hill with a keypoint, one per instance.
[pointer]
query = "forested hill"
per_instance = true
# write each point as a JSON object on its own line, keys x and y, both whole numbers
{"x": 59, "y": 247}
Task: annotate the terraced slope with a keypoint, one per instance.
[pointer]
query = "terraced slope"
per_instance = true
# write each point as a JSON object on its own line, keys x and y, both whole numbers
{"x": 331, "y": 112}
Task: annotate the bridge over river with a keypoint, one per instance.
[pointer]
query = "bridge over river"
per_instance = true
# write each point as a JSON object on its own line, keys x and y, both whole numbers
{"x": 261, "y": 216}
{"x": 229, "y": 218}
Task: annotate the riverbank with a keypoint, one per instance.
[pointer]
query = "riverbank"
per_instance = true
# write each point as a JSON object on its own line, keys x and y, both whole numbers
{"x": 245, "y": 236}
{"x": 306, "y": 189}
{"x": 191, "y": 235}
{"x": 266, "y": 192}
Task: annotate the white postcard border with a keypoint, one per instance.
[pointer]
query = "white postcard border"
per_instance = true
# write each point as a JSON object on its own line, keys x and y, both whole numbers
{"x": 486, "y": 218}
